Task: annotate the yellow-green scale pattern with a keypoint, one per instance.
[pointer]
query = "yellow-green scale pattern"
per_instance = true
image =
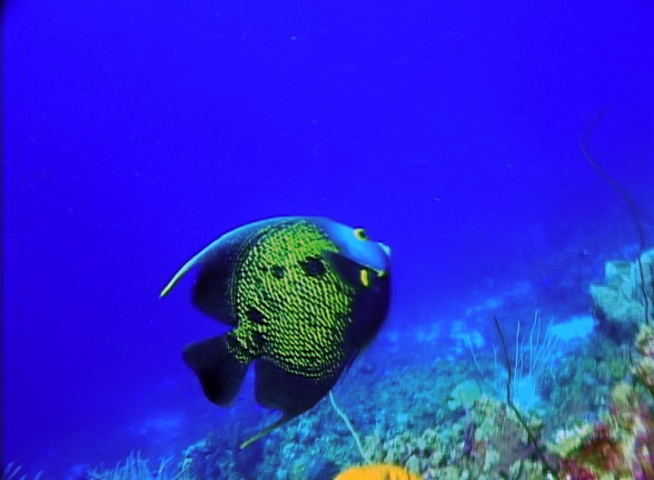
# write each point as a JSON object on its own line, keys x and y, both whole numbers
{"x": 303, "y": 317}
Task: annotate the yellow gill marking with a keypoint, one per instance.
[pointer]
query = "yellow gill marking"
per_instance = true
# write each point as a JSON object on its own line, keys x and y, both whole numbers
{"x": 364, "y": 277}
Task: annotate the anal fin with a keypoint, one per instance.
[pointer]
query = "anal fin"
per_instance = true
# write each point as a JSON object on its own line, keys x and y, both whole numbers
{"x": 259, "y": 435}
{"x": 292, "y": 394}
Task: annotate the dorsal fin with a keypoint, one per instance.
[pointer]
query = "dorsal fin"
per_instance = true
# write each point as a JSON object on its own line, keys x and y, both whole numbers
{"x": 216, "y": 262}
{"x": 188, "y": 266}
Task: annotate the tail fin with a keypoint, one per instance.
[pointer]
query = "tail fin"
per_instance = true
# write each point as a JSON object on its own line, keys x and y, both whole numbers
{"x": 219, "y": 371}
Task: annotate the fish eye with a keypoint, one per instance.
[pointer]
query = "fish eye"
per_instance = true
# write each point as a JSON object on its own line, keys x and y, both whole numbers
{"x": 360, "y": 233}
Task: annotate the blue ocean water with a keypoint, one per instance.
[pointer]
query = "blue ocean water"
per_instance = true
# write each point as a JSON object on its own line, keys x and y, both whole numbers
{"x": 136, "y": 133}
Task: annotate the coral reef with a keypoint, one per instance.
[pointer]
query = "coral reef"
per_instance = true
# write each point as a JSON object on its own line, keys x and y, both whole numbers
{"x": 207, "y": 459}
{"x": 464, "y": 395}
{"x": 485, "y": 443}
{"x": 644, "y": 371}
{"x": 621, "y": 444}
{"x": 582, "y": 383}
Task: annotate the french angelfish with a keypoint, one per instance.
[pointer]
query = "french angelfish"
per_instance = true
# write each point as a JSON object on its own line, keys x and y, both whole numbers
{"x": 304, "y": 295}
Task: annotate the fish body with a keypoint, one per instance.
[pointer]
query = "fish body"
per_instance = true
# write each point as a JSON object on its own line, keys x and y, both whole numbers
{"x": 304, "y": 295}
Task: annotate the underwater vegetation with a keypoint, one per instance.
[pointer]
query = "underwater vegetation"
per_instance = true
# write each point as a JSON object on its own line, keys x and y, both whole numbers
{"x": 136, "y": 468}
{"x": 13, "y": 471}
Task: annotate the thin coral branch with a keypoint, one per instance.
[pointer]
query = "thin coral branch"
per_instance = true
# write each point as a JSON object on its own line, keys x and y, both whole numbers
{"x": 341, "y": 414}
{"x": 509, "y": 401}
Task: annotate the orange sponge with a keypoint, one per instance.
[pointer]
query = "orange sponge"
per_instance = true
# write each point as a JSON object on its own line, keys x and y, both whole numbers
{"x": 379, "y": 471}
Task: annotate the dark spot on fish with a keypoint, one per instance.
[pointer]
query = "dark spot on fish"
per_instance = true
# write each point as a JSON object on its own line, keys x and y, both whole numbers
{"x": 258, "y": 338}
{"x": 256, "y": 316}
{"x": 232, "y": 342}
{"x": 278, "y": 271}
{"x": 313, "y": 266}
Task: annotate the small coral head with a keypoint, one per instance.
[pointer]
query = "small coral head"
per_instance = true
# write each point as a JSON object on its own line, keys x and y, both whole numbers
{"x": 571, "y": 470}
